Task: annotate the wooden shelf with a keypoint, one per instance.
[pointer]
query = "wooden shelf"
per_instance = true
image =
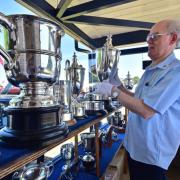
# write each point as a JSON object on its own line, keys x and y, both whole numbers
{"x": 29, "y": 157}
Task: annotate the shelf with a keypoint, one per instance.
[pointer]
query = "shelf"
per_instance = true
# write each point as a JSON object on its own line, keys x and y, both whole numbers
{"x": 28, "y": 156}
{"x": 108, "y": 154}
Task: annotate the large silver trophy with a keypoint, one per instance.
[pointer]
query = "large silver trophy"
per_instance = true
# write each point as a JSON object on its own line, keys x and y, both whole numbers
{"x": 107, "y": 67}
{"x": 33, "y": 60}
{"x": 108, "y": 63}
{"x": 75, "y": 74}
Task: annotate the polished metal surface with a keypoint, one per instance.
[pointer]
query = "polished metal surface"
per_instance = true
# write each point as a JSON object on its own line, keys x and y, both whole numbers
{"x": 67, "y": 151}
{"x": 88, "y": 160}
{"x": 109, "y": 60}
{"x": 36, "y": 171}
{"x": 62, "y": 92}
{"x": 117, "y": 120}
{"x": 33, "y": 95}
{"x": 75, "y": 73}
{"x": 88, "y": 141}
{"x": 94, "y": 105}
{"x": 67, "y": 116}
{"x": 32, "y": 57}
{"x": 78, "y": 111}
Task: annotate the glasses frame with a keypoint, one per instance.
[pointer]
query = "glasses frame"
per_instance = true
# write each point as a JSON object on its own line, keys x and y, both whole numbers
{"x": 155, "y": 36}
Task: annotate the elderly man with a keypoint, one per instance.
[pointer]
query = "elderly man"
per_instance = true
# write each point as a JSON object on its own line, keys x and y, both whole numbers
{"x": 152, "y": 136}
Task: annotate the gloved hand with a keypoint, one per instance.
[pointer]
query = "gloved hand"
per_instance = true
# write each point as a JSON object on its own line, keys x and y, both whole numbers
{"x": 114, "y": 78}
{"x": 104, "y": 88}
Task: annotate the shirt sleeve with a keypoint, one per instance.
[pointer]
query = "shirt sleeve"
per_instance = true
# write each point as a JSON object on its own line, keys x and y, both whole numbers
{"x": 164, "y": 94}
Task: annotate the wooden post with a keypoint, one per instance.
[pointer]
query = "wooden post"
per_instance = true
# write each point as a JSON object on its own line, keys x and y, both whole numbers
{"x": 126, "y": 114}
{"x": 76, "y": 146}
{"x": 97, "y": 149}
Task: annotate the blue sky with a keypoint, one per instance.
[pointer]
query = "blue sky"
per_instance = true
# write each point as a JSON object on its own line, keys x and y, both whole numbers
{"x": 8, "y": 7}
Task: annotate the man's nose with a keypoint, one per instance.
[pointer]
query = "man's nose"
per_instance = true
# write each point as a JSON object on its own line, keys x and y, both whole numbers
{"x": 149, "y": 40}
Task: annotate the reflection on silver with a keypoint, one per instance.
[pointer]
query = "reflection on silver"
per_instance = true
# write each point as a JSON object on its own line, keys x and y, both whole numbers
{"x": 75, "y": 73}
{"x": 67, "y": 153}
{"x": 62, "y": 91}
{"x": 88, "y": 141}
{"x": 36, "y": 171}
{"x": 109, "y": 60}
{"x": 32, "y": 57}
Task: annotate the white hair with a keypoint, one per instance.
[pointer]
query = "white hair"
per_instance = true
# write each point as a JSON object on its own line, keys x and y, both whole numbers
{"x": 173, "y": 26}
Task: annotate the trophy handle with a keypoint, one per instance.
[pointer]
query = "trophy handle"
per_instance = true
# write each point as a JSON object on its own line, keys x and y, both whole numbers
{"x": 4, "y": 21}
{"x": 49, "y": 165}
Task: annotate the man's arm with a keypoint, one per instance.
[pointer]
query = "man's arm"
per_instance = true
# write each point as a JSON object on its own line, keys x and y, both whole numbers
{"x": 133, "y": 104}
{"x": 123, "y": 89}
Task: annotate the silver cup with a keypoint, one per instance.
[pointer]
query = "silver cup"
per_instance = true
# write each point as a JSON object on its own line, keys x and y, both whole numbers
{"x": 67, "y": 153}
{"x": 35, "y": 171}
{"x": 88, "y": 141}
{"x": 32, "y": 61}
{"x": 75, "y": 73}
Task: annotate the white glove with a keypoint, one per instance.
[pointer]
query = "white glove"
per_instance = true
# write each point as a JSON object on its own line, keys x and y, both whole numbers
{"x": 114, "y": 78}
{"x": 104, "y": 88}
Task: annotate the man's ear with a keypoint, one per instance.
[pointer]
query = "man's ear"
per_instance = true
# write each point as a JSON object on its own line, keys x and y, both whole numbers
{"x": 174, "y": 38}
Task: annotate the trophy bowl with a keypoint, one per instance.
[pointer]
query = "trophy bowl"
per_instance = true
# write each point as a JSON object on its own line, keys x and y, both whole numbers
{"x": 29, "y": 57}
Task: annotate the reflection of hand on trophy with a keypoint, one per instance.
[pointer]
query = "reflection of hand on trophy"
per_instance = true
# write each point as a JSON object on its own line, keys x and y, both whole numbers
{"x": 67, "y": 153}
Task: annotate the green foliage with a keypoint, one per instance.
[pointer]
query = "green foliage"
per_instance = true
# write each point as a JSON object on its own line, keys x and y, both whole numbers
{"x": 135, "y": 79}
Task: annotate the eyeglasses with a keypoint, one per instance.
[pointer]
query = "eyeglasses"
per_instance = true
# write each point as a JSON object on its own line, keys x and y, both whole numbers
{"x": 155, "y": 36}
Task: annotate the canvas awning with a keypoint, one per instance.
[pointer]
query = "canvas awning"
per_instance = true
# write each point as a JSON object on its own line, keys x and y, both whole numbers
{"x": 90, "y": 21}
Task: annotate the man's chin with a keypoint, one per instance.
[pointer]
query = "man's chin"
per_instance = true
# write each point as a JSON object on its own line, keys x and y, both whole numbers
{"x": 150, "y": 54}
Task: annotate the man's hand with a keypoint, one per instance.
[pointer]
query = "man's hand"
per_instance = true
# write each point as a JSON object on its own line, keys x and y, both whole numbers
{"x": 104, "y": 88}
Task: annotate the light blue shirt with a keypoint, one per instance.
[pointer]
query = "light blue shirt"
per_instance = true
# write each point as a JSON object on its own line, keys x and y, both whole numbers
{"x": 156, "y": 140}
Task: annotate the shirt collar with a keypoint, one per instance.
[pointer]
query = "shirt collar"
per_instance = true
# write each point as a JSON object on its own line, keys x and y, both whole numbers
{"x": 164, "y": 64}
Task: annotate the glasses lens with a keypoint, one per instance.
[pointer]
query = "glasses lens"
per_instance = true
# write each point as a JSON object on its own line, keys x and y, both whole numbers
{"x": 155, "y": 36}
{"x": 149, "y": 36}
{"x": 152, "y": 37}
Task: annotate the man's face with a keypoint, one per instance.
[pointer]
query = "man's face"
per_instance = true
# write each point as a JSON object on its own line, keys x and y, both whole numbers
{"x": 159, "y": 42}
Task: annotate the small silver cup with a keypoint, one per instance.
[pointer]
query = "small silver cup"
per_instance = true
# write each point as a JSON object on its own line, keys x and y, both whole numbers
{"x": 67, "y": 153}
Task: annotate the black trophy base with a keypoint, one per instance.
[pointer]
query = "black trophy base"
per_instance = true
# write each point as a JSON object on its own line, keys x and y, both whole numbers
{"x": 31, "y": 127}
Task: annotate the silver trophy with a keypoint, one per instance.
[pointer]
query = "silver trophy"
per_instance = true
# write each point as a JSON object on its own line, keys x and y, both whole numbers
{"x": 35, "y": 171}
{"x": 62, "y": 91}
{"x": 88, "y": 142}
{"x": 107, "y": 68}
{"x": 32, "y": 62}
{"x": 75, "y": 73}
{"x": 67, "y": 153}
{"x": 108, "y": 63}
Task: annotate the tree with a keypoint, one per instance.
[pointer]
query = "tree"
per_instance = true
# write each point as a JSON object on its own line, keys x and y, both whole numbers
{"x": 135, "y": 79}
